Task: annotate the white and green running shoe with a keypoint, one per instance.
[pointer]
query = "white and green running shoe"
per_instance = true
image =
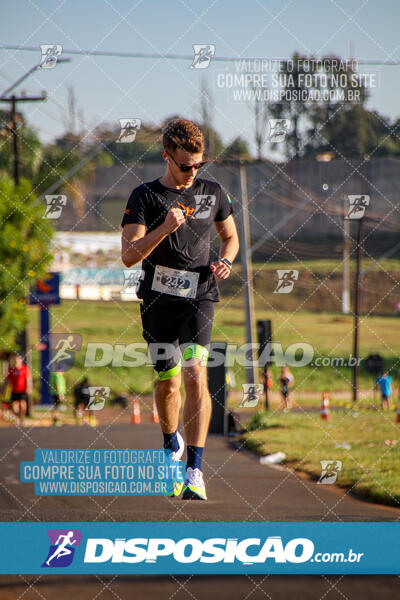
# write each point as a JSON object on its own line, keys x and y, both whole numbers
{"x": 177, "y": 486}
{"x": 194, "y": 488}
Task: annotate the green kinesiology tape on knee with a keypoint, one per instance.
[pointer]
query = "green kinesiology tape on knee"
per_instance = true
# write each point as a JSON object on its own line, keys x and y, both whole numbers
{"x": 196, "y": 351}
{"x": 163, "y": 375}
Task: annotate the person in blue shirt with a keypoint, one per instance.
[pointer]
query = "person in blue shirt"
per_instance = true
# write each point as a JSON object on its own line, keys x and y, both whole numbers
{"x": 385, "y": 383}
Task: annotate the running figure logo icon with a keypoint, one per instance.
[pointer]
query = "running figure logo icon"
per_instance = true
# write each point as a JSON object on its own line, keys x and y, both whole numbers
{"x": 63, "y": 348}
{"x": 286, "y": 280}
{"x": 63, "y": 543}
{"x": 54, "y": 207}
{"x": 357, "y": 206}
{"x": 330, "y": 470}
{"x": 279, "y": 130}
{"x": 98, "y": 397}
{"x": 129, "y": 128}
{"x": 132, "y": 278}
{"x": 204, "y": 204}
{"x": 251, "y": 394}
{"x": 203, "y": 54}
{"x": 50, "y": 54}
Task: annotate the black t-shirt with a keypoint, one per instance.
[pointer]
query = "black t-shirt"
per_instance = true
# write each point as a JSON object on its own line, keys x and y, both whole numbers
{"x": 187, "y": 248}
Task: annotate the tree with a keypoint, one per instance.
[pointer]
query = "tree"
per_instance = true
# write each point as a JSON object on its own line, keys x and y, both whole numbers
{"x": 261, "y": 112}
{"x": 324, "y": 102}
{"x": 24, "y": 254}
{"x": 295, "y": 105}
{"x": 41, "y": 165}
{"x": 356, "y": 132}
{"x": 237, "y": 149}
{"x": 146, "y": 147}
{"x": 30, "y": 147}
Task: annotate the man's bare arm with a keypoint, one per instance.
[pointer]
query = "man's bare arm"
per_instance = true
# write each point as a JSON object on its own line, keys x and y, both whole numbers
{"x": 136, "y": 244}
{"x": 229, "y": 237}
{"x": 229, "y": 247}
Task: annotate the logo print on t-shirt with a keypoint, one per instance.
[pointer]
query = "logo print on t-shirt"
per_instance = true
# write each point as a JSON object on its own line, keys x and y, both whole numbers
{"x": 188, "y": 211}
{"x": 204, "y": 203}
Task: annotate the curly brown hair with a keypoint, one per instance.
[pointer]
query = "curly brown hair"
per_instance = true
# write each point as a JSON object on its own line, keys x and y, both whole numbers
{"x": 183, "y": 134}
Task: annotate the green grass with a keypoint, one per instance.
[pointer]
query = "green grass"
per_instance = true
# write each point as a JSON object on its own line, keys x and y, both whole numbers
{"x": 319, "y": 286}
{"x": 330, "y": 335}
{"x": 370, "y": 468}
{"x": 326, "y": 265}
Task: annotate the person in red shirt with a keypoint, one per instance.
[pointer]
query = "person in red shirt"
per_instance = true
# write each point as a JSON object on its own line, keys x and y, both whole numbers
{"x": 20, "y": 380}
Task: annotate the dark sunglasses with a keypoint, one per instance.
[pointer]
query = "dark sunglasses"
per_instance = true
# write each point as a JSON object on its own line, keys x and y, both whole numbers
{"x": 186, "y": 168}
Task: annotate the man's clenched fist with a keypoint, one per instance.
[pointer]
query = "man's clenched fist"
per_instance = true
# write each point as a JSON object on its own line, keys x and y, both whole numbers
{"x": 173, "y": 220}
{"x": 220, "y": 269}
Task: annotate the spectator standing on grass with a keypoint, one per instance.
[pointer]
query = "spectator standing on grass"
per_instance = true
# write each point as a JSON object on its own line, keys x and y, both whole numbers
{"x": 286, "y": 381}
{"x": 385, "y": 383}
{"x": 20, "y": 379}
{"x": 57, "y": 391}
{"x": 267, "y": 383}
{"x": 267, "y": 379}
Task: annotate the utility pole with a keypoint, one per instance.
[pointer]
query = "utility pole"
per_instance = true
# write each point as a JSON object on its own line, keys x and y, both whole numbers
{"x": 247, "y": 276}
{"x": 346, "y": 276}
{"x": 15, "y": 139}
{"x": 22, "y": 98}
{"x": 14, "y": 127}
{"x": 356, "y": 343}
{"x": 357, "y": 292}
{"x": 264, "y": 338}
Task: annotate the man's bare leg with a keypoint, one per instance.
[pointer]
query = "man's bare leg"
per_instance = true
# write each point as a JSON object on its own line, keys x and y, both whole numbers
{"x": 197, "y": 409}
{"x": 168, "y": 401}
{"x": 196, "y": 418}
{"x": 23, "y": 409}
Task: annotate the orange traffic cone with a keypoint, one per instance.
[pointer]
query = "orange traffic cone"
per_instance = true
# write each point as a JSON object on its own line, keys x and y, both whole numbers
{"x": 398, "y": 412}
{"x": 154, "y": 413}
{"x": 136, "y": 419}
{"x": 325, "y": 412}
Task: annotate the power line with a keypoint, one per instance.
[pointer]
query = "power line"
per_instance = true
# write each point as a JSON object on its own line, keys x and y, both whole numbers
{"x": 362, "y": 61}
{"x": 25, "y": 75}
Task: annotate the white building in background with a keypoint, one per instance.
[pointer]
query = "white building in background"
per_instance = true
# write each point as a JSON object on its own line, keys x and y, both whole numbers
{"x": 96, "y": 284}
{"x": 61, "y": 261}
{"x": 86, "y": 242}
{"x": 90, "y": 282}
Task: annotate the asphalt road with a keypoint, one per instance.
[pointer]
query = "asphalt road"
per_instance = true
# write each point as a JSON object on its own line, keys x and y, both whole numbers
{"x": 239, "y": 489}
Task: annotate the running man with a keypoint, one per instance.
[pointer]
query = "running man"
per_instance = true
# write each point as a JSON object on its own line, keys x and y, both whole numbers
{"x": 20, "y": 379}
{"x": 385, "y": 383}
{"x": 62, "y": 549}
{"x": 167, "y": 224}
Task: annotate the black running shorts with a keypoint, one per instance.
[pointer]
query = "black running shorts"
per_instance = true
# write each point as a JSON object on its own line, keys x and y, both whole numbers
{"x": 18, "y": 396}
{"x": 176, "y": 330}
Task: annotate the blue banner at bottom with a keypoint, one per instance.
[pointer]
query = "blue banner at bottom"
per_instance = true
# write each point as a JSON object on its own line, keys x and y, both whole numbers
{"x": 201, "y": 548}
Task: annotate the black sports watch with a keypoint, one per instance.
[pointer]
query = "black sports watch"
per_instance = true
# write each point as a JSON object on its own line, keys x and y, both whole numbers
{"x": 226, "y": 261}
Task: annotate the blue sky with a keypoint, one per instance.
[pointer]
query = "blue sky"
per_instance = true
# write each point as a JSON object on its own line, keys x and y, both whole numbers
{"x": 112, "y": 88}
